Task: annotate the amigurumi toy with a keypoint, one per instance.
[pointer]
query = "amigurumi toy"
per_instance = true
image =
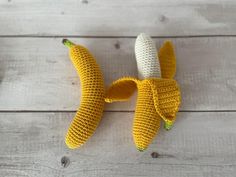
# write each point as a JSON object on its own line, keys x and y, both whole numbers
{"x": 158, "y": 93}
{"x": 91, "y": 108}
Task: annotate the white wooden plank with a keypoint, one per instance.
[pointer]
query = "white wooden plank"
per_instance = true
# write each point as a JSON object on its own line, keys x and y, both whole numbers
{"x": 117, "y": 18}
{"x": 36, "y": 74}
{"x": 200, "y": 144}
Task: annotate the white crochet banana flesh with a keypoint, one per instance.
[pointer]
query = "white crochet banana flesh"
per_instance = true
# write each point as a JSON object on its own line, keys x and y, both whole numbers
{"x": 146, "y": 57}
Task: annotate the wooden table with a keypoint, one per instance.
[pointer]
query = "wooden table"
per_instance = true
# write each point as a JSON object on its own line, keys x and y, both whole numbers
{"x": 40, "y": 91}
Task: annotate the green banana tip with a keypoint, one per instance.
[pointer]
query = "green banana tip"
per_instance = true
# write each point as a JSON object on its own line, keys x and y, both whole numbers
{"x": 168, "y": 125}
{"x": 140, "y": 149}
{"x": 67, "y": 43}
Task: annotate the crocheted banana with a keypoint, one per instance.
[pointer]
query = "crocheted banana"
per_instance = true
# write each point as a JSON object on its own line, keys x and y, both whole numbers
{"x": 91, "y": 107}
{"x": 158, "y": 94}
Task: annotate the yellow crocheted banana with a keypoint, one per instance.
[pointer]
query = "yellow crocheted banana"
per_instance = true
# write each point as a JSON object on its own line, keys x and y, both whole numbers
{"x": 91, "y": 107}
{"x": 158, "y": 94}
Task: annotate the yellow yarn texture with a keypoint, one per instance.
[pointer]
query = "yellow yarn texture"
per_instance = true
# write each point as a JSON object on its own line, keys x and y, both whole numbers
{"x": 92, "y": 103}
{"x": 167, "y": 60}
{"x": 158, "y": 98}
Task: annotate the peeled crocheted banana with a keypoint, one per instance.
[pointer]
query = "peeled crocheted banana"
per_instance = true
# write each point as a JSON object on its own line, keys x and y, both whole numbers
{"x": 92, "y": 103}
{"x": 148, "y": 61}
{"x": 158, "y": 98}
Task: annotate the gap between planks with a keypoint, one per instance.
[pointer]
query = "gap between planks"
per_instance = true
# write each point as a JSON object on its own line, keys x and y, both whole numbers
{"x": 112, "y": 37}
{"x": 108, "y": 111}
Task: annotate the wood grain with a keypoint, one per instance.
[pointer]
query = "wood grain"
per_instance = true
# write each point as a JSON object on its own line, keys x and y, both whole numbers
{"x": 119, "y": 18}
{"x": 200, "y": 144}
{"x": 38, "y": 80}
{"x": 36, "y": 73}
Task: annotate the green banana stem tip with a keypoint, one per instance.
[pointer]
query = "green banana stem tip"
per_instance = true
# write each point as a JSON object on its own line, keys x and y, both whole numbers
{"x": 168, "y": 125}
{"x": 140, "y": 149}
{"x": 67, "y": 43}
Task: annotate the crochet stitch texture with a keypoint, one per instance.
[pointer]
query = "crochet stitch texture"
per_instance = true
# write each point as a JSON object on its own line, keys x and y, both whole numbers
{"x": 158, "y": 98}
{"x": 146, "y": 57}
{"x": 92, "y": 103}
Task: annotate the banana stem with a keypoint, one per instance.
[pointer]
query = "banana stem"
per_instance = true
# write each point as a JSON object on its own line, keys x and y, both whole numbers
{"x": 168, "y": 125}
{"x": 67, "y": 43}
